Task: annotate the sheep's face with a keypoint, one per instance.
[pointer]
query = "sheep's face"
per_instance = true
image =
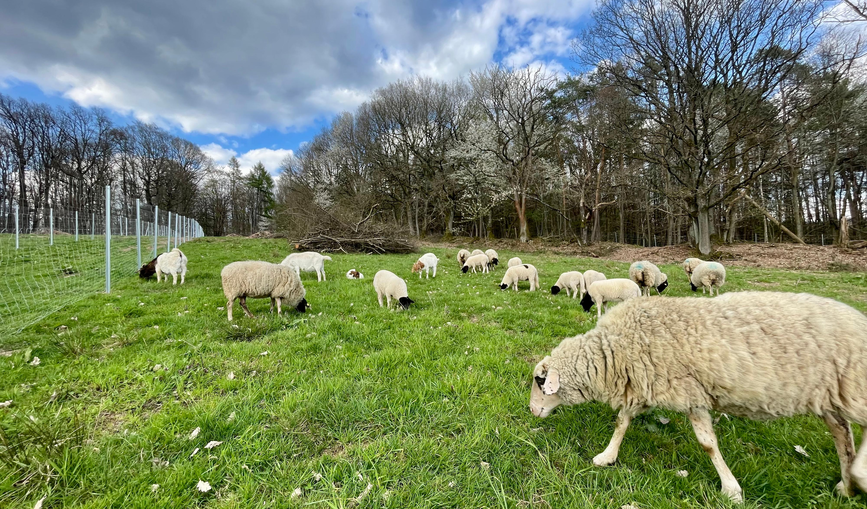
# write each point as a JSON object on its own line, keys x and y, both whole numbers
{"x": 661, "y": 288}
{"x": 694, "y": 288}
{"x": 586, "y": 302}
{"x": 543, "y": 394}
{"x": 555, "y": 290}
{"x": 405, "y": 302}
{"x": 495, "y": 261}
{"x": 302, "y": 306}
{"x": 503, "y": 286}
{"x": 417, "y": 266}
{"x": 464, "y": 269}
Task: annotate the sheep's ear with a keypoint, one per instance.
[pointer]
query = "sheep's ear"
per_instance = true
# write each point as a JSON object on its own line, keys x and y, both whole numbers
{"x": 552, "y": 382}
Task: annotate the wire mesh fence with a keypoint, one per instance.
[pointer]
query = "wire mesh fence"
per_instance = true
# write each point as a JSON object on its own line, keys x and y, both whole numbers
{"x": 51, "y": 258}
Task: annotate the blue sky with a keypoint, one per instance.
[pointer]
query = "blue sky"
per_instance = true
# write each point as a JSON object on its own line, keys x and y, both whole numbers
{"x": 258, "y": 78}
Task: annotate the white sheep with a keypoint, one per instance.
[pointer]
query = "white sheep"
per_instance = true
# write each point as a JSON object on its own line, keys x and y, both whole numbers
{"x": 573, "y": 280}
{"x": 463, "y": 254}
{"x": 524, "y": 272}
{"x": 477, "y": 252}
{"x": 479, "y": 261}
{"x": 590, "y": 277}
{"x": 609, "y": 290}
{"x": 174, "y": 262}
{"x": 257, "y": 279}
{"x": 427, "y": 262}
{"x": 689, "y": 265}
{"x": 393, "y": 287}
{"x": 758, "y": 355}
{"x": 514, "y": 261}
{"x": 708, "y": 275}
{"x": 647, "y": 275}
{"x": 493, "y": 258}
{"x": 307, "y": 262}
{"x": 354, "y": 274}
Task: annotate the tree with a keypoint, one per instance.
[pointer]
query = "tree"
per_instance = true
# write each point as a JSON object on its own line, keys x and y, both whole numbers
{"x": 261, "y": 188}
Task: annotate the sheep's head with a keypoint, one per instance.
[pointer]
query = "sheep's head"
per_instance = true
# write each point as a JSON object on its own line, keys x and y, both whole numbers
{"x": 465, "y": 268}
{"x": 302, "y": 306}
{"x": 694, "y": 288}
{"x": 405, "y": 302}
{"x": 503, "y": 286}
{"x": 543, "y": 393}
{"x": 555, "y": 290}
{"x": 586, "y": 302}
{"x": 495, "y": 261}
{"x": 417, "y": 266}
{"x": 661, "y": 288}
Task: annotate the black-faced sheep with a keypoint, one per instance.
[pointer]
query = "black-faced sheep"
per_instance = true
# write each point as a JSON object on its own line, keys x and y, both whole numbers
{"x": 647, "y": 275}
{"x": 524, "y": 272}
{"x": 708, "y": 275}
{"x": 257, "y": 279}
{"x": 391, "y": 286}
{"x": 573, "y": 281}
{"x": 609, "y": 290}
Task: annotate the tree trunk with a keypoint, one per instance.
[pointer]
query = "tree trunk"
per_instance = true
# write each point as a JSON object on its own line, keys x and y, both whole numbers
{"x": 521, "y": 209}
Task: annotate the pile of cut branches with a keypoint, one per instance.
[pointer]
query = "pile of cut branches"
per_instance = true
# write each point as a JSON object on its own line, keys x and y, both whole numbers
{"x": 330, "y": 234}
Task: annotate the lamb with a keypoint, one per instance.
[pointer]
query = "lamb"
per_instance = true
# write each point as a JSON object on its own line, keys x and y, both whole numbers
{"x": 174, "y": 262}
{"x": 393, "y": 287}
{"x": 308, "y": 262}
{"x": 647, "y": 275}
{"x": 758, "y": 355}
{"x": 256, "y": 279}
{"x": 493, "y": 258}
{"x": 590, "y": 277}
{"x": 149, "y": 269}
{"x": 514, "y": 261}
{"x": 689, "y": 265}
{"x": 708, "y": 275}
{"x": 524, "y": 272}
{"x": 463, "y": 254}
{"x": 570, "y": 281}
{"x": 609, "y": 290}
{"x": 426, "y": 262}
{"x": 354, "y": 274}
{"x": 479, "y": 261}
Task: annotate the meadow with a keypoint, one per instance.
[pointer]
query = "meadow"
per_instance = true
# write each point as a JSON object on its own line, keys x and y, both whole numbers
{"x": 353, "y": 405}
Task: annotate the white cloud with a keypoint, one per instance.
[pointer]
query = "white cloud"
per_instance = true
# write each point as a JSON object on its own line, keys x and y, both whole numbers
{"x": 270, "y": 158}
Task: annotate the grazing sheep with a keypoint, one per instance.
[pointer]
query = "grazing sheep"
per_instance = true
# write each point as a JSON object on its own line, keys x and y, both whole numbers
{"x": 609, "y": 290}
{"x": 463, "y": 254}
{"x": 393, "y": 287}
{"x": 514, "y": 261}
{"x": 708, "y": 275}
{"x": 570, "y": 281}
{"x": 256, "y": 279}
{"x": 758, "y": 355}
{"x": 307, "y": 262}
{"x": 647, "y": 275}
{"x": 426, "y": 262}
{"x": 524, "y": 272}
{"x": 493, "y": 258}
{"x": 590, "y": 277}
{"x": 354, "y": 274}
{"x": 479, "y": 261}
{"x": 477, "y": 252}
{"x": 689, "y": 265}
{"x": 149, "y": 269}
{"x": 174, "y": 262}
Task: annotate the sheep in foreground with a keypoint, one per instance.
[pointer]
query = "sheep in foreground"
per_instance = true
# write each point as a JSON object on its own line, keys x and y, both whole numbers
{"x": 256, "y": 279}
{"x": 174, "y": 262}
{"x": 590, "y": 277}
{"x": 514, "y": 261}
{"x": 393, "y": 287}
{"x": 525, "y": 272}
{"x": 427, "y": 262}
{"x": 690, "y": 264}
{"x": 479, "y": 261}
{"x": 647, "y": 275}
{"x": 463, "y": 254}
{"x": 307, "y": 262}
{"x": 570, "y": 281}
{"x": 708, "y": 275}
{"x": 354, "y": 274}
{"x": 149, "y": 269}
{"x": 493, "y": 258}
{"x": 758, "y": 355}
{"x": 609, "y": 290}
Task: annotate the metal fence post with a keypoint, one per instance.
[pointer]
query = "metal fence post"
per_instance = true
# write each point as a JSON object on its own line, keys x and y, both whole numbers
{"x": 16, "y": 226}
{"x": 76, "y": 226}
{"x": 156, "y": 228}
{"x": 107, "y": 239}
{"x": 137, "y": 232}
{"x": 50, "y": 226}
{"x": 92, "y": 225}
{"x": 169, "y": 234}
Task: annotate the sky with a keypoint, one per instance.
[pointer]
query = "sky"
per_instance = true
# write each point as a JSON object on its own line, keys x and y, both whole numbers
{"x": 258, "y": 78}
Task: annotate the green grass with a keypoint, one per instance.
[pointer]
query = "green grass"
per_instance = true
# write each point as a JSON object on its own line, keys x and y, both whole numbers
{"x": 428, "y": 406}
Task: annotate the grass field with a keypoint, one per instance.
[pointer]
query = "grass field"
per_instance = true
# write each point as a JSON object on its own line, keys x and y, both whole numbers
{"x": 351, "y": 405}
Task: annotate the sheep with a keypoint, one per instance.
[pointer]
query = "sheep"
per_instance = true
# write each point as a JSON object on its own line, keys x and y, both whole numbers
{"x": 757, "y": 355}
{"x": 354, "y": 274}
{"x": 174, "y": 262}
{"x": 647, "y": 275}
{"x": 308, "y": 262}
{"x": 689, "y": 265}
{"x": 570, "y": 281}
{"x": 257, "y": 279}
{"x": 477, "y": 252}
{"x": 426, "y": 262}
{"x": 476, "y": 261}
{"x": 590, "y": 277}
{"x": 493, "y": 258}
{"x": 393, "y": 287}
{"x": 514, "y": 261}
{"x": 149, "y": 269}
{"x": 524, "y": 272}
{"x": 463, "y": 254}
{"x": 609, "y": 290}
{"x": 708, "y": 275}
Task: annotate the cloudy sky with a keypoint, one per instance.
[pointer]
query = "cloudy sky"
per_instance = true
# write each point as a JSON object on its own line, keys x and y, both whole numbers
{"x": 256, "y": 78}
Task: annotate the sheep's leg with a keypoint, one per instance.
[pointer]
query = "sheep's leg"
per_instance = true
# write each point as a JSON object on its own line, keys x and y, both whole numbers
{"x": 158, "y": 274}
{"x": 703, "y": 427}
{"x": 323, "y": 274}
{"x": 858, "y": 470}
{"x": 183, "y": 275}
{"x": 243, "y": 302}
{"x": 599, "y": 310}
{"x": 379, "y": 298}
{"x": 279, "y": 309}
{"x": 271, "y": 309}
{"x": 609, "y": 455}
{"x": 174, "y": 278}
{"x": 388, "y": 301}
{"x": 435, "y": 271}
{"x": 229, "y": 308}
{"x": 843, "y": 441}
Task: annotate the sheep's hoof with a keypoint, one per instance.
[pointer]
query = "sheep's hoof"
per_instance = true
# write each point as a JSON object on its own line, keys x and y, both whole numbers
{"x": 737, "y": 495}
{"x": 843, "y": 491}
{"x": 603, "y": 460}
